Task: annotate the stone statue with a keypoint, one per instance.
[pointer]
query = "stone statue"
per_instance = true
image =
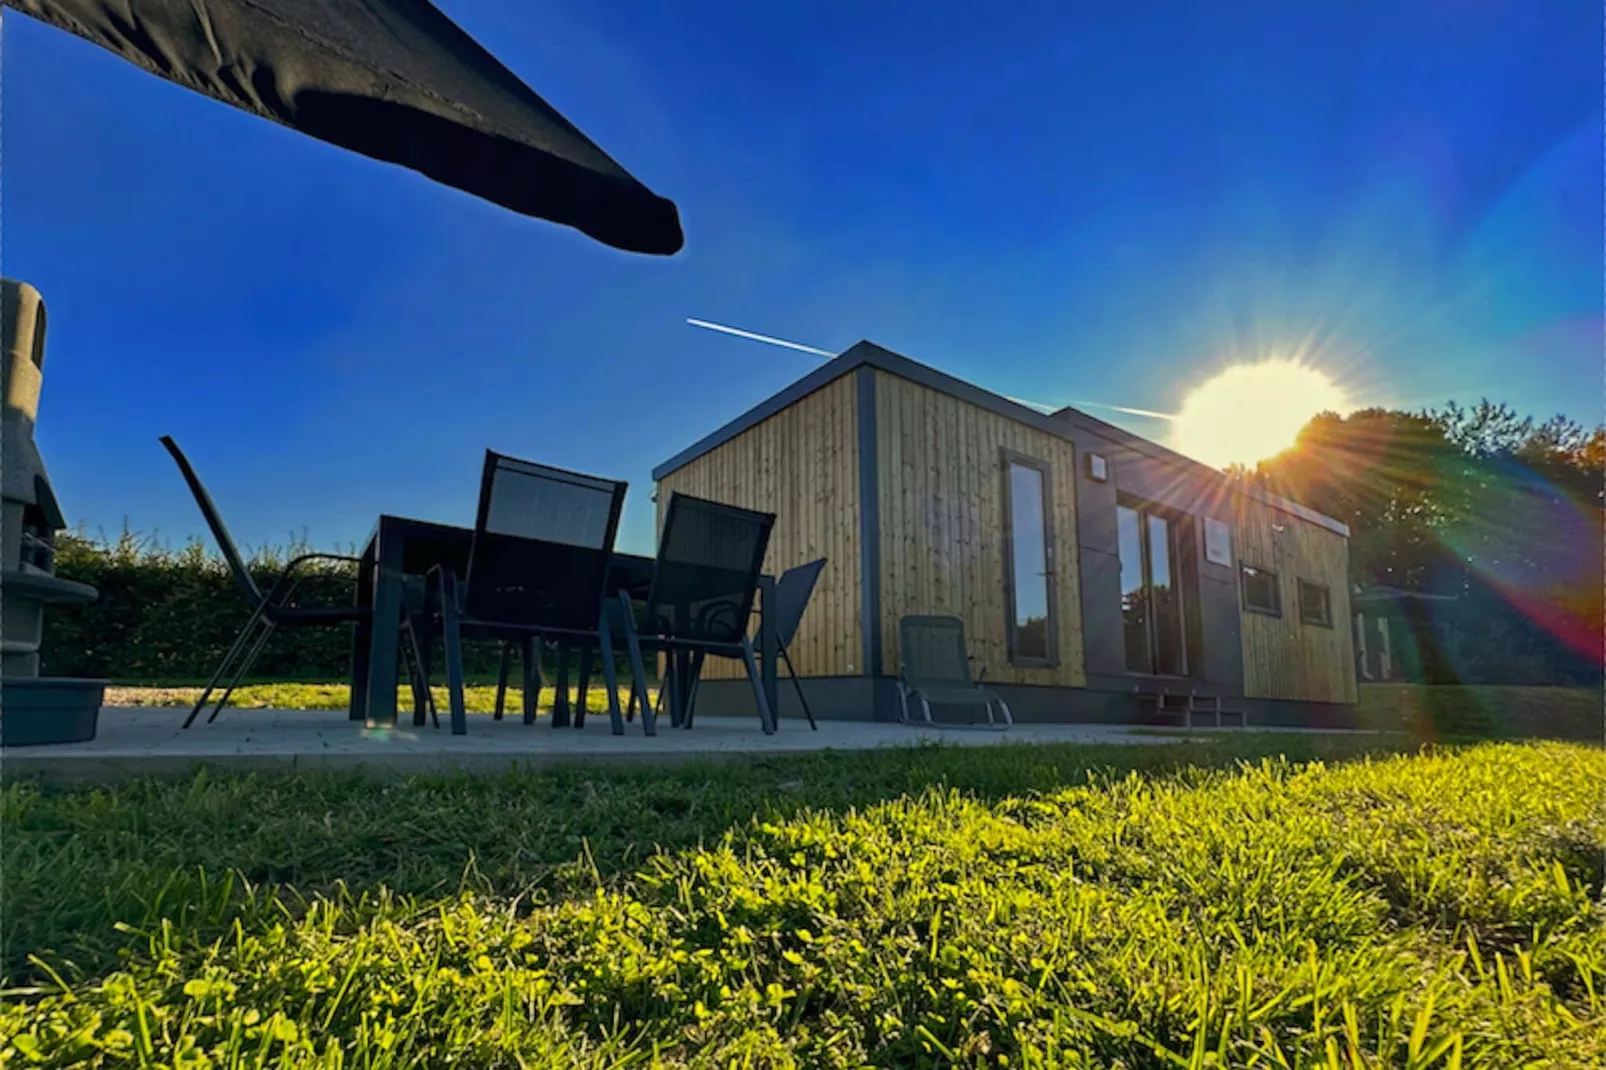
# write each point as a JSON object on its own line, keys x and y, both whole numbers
{"x": 32, "y": 709}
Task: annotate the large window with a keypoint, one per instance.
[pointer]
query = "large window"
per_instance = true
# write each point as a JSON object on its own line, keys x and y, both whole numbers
{"x": 1029, "y": 567}
{"x": 1151, "y": 593}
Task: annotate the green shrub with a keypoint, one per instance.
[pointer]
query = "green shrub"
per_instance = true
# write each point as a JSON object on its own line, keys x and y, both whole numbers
{"x": 171, "y": 615}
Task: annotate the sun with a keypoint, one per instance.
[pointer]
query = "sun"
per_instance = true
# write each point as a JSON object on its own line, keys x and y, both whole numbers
{"x": 1252, "y": 411}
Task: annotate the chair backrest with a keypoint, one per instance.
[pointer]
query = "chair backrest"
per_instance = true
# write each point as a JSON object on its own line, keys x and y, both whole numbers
{"x": 710, "y": 556}
{"x": 792, "y": 593}
{"x": 543, "y": 538}
{"x": 231, "y": 553}
{"x": 933, "y": 650}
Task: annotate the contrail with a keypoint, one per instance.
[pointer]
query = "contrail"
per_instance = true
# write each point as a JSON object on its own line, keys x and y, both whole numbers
{"x": 752, "y": 336}
{"x": 1150, "y": 413}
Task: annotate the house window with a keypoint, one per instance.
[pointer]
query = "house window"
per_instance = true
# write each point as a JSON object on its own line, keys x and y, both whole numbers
{"x": 1315, "y": 604}
{"x": 1029, "y": 568}
{"x": 1151, "y": 597}
{"x": 1261, "y": 594}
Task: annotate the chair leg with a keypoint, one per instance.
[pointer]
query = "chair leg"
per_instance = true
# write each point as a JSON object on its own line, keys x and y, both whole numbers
{"x": 764, "y": 717}
{"x": 426, "y": 661}
{"x": 1009, "y": 720}
{"x": 530, "y": 658}
{"x": 245, "y": 665}
{"x": 560, "y": 700}
{"x": 925, "y": 705}
{"x": 786, "y": 659}
{"x": 610, "y": 677}
{"x": 694, "y": 676}
{"x": 415, "y": 677}
{"x": 666, "y": 691}
{"x": 638, "y": 668}
{"x": 423, "y": 699}
{"x": 228, "y": 660}
{"x": 501, "y": 679}
{"x": 585, "y": 685}
{"x": 452, "y": 634}
{"x": 675, "y": 681}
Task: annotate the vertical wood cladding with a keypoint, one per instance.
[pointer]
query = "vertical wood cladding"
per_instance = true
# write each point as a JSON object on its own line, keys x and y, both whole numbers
{"x": 941, "y": 485}
{"x": 802, "y": 464}
{"x": 1284, "y": 657}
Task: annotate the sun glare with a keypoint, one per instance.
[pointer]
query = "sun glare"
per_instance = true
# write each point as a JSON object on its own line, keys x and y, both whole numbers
{"x": 1252, "y": 411}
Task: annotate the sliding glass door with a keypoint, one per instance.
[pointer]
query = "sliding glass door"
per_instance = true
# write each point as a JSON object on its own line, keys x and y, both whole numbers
{"x": 1152, "y": 611}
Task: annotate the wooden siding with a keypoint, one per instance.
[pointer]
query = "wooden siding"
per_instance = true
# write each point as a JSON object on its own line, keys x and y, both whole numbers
{"x": 1285, "y": 658}
{"x": 941, "y": 484}
{"x": 802, "y": 464}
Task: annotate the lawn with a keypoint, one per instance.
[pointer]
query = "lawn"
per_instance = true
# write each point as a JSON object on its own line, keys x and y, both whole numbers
{"x": 1423, "y": 713}
{"x": 477, "y": 698}
{"x": 1207, "y": 905}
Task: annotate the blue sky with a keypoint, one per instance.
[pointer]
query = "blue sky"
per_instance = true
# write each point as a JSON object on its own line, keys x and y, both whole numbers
{"x": 1107, "y": 203}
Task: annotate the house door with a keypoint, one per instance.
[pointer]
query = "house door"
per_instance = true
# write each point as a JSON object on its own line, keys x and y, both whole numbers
{"x": 1151, "y": 591}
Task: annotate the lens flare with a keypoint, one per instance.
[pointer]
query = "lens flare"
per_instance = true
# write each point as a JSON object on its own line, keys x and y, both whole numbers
{"x": 1251, "y": 412}
{"x": 1539, "y": 548}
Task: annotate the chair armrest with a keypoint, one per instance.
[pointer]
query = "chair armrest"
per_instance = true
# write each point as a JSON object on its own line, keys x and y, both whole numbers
{"x": 295, "y": 563}
{"x": 324, "y": 557}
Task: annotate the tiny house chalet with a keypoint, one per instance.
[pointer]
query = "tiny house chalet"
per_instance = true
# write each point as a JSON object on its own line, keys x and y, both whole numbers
{"x": 1100, "y": 576}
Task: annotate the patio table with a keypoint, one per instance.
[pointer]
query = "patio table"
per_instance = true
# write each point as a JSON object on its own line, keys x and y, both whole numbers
{"x": 400, "y": 548}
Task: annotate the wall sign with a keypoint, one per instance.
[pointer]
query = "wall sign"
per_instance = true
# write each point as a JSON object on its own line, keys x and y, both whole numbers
{"x": 1218, "y": 543}
{"x": 1098, "y": 469}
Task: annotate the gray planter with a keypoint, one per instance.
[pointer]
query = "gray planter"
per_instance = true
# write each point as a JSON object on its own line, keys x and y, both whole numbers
{"x": 49, "y": 710}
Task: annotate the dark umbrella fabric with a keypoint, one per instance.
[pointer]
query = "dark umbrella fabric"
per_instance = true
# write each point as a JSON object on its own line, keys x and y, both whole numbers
{"x": 392, "y": 79}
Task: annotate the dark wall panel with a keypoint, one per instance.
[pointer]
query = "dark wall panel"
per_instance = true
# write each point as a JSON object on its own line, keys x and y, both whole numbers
{"x": 1218, "y": 649}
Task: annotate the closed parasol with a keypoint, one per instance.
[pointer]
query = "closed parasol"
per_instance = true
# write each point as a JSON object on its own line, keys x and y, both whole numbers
{"x": 392, "y": 79}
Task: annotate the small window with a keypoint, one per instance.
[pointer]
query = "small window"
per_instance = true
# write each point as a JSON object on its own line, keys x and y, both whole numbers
{"x": 1260, "y": 591}
{"x": 1315, "y": 604}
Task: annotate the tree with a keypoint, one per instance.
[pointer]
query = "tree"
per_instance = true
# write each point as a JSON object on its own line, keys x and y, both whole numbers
{"x": 1481, "y": 503}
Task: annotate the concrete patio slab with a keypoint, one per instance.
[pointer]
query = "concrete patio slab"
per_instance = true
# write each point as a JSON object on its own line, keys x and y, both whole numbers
{"x": 146, "y": 741}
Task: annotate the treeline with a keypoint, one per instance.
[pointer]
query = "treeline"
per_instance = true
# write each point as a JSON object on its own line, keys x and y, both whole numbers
{"x": 1500, "y": 511}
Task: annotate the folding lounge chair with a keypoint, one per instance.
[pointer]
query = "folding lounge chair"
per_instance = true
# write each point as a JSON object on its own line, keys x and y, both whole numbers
{"x": 936, "y": 671}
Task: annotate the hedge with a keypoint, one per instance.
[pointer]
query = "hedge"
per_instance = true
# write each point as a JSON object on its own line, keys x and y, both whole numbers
{"x": 170, "y": 615}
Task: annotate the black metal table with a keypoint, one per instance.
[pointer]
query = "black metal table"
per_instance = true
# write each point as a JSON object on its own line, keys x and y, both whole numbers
{"x": 400, "y": 547}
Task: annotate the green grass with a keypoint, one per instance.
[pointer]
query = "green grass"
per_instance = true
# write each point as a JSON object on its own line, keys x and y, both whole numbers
{"x": 1439, "y": 714}
{"x": 1035, "y": 907}
{"x": 477, "y": 698}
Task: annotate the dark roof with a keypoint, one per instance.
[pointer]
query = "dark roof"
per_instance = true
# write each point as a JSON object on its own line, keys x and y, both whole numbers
{"x": 392, "y": 79}
{"x": 1057, "y": 423}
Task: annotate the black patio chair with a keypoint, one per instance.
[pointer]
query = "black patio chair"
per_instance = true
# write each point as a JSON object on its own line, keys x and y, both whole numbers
{"x": 791, "y": 596}
{"x": 537, "y": 571}
{"x": 710, "y": 557}
{"x": 935, "y": 670}
{"x": 792, "y": 593}
{"x": 271, "y": 610}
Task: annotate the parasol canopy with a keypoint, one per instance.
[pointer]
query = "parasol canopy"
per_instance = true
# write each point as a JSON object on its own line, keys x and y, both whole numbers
{"x": 392, "y": 79}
